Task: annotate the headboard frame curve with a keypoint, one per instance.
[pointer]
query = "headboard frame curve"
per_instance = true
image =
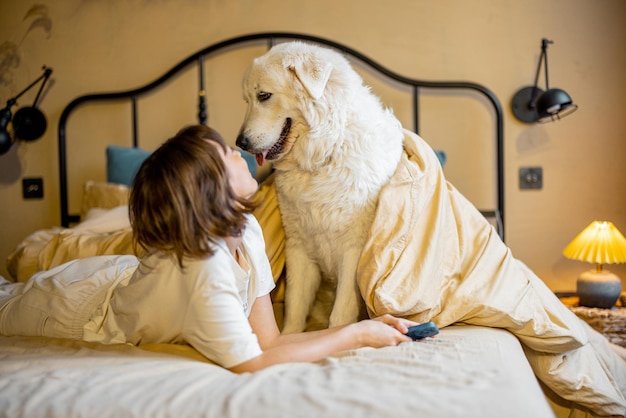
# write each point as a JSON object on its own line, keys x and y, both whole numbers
{"x": 270, "y": 38}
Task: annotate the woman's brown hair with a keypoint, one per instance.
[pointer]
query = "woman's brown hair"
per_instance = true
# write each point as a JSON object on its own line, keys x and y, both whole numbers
{"x": 181, "y": 201}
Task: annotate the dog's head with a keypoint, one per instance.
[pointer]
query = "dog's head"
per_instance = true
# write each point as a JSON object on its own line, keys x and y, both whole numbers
{"x": 289, "y": 97}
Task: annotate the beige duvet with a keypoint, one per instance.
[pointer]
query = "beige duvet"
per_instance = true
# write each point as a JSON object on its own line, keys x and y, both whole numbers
{"x": 432, "y": 256}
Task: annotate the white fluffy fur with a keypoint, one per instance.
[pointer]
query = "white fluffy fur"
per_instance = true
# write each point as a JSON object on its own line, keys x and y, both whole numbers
{"x": 343, "y": 146}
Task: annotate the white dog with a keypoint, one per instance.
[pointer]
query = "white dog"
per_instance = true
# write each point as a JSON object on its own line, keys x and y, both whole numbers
{"x": 333, "y": 146}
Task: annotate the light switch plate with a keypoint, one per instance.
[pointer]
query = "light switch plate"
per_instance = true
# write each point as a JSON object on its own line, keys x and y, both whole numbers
{"x": 32, "y": 188}
{"x": 531, "y": 178}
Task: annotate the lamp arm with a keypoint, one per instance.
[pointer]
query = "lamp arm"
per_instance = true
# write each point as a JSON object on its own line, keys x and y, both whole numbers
{"x": 44, "y": 76}
{"x": 544, "y": 52}
{"x": 534, "y": 96}
{"x": 542, "y": 58}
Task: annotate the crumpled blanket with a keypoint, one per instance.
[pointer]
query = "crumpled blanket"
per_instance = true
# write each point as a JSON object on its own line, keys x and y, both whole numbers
{"x": 431, "y": 255}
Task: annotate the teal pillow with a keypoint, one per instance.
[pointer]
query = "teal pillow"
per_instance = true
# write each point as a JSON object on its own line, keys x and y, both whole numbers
{"x": 123, "y": 163}
{"x": 442, "y": 157}
{"x": 251, "y": 160}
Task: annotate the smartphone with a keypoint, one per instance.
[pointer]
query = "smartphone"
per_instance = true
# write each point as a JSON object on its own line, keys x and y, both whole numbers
{"x": 427, "y": 329}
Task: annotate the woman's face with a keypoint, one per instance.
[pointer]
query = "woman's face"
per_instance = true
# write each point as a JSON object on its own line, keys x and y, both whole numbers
{"x": 239, "y": 176}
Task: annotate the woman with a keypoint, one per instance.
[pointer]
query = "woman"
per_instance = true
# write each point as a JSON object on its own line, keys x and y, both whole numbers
{"x": 205, "y": 279}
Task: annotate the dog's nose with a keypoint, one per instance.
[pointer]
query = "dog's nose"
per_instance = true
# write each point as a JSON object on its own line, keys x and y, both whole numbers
{"x": 242, "y": 142}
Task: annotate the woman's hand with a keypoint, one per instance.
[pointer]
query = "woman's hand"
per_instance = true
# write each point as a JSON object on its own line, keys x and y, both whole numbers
{"x": 379, "y": 332}
{"x": 382, "y": 331}
{"x": 400, "y": 324}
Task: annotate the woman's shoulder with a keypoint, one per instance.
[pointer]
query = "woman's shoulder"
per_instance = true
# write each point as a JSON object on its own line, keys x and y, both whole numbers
{"x": 253, "y": 228}
{"x": 160, "y": 261}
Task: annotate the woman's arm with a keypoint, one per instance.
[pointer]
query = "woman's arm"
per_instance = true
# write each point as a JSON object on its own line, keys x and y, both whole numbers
{"x": 312, "y": 346}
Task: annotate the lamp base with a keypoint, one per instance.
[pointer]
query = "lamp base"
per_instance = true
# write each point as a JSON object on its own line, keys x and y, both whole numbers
{"x": 520, "y": 104}
{"x": 598, "y": 289}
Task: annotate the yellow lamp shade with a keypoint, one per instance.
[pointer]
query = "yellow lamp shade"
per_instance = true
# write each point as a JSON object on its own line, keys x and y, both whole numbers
{"x": 599, "y": 243}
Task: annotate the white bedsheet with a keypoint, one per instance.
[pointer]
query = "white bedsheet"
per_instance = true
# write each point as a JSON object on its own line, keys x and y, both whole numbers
{"x": 466, "y": 371}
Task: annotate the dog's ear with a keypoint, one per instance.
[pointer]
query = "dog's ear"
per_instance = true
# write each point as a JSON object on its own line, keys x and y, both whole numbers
{"x": 312, "y": 71}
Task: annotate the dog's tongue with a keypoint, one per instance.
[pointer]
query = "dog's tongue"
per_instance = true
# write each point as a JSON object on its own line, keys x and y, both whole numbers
{"x": 260, "y": 158}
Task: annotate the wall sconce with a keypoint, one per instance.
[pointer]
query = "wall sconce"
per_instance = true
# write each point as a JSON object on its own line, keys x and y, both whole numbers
{"x": 599, "y": 243}
{"x": 531, "y": 104}
{"x": 29, "y": 123}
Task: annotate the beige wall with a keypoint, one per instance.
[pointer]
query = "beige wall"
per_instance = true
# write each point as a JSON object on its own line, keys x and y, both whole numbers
{"x": 119, "y": 44}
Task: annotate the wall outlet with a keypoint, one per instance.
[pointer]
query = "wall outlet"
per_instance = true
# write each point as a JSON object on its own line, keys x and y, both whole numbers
{"x": 531, "y": 178}
{"x": 32, "y": 188}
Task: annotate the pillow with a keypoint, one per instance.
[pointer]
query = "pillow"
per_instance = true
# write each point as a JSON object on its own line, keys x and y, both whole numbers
{"x": 268, "y": 215}
{"x": 103, "y": 221}
{"x": 74, "y": 244}
{"x": 103, "y": 196}
{"x": 123, "y": 163}
{"x": 251, "y": 160}
{"x": 441, "y": 155}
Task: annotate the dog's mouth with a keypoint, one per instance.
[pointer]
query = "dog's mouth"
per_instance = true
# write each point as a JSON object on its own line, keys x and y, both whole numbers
{"x": 278, "y": 147}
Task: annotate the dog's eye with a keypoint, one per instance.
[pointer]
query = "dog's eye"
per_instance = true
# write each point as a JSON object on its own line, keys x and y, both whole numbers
{"x": 263, "y": 96}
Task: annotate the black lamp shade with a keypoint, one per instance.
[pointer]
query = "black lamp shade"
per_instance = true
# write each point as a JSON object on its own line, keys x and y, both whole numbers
{"x": 29, "y": 123}
{"x": 5, "y": 138}
{"x": 554, "y": 104}
{"x": 5, "y": 141}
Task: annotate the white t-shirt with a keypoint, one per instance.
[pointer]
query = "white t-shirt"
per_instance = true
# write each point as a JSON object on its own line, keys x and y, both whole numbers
{"x": 206, "y": 304}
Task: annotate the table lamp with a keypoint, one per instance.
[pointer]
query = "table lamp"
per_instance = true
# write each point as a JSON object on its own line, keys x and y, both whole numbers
{"x": 599, "y": 243}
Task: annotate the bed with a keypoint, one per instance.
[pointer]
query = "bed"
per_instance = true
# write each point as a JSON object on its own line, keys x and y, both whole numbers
{"x": 465, "y": 371}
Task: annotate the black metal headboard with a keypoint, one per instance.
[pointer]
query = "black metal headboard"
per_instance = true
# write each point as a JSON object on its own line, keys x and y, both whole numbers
{"x": 270, "y": 38}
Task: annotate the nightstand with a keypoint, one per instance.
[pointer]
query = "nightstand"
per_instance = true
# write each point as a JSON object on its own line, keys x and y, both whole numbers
{"x": 609, "y": 322}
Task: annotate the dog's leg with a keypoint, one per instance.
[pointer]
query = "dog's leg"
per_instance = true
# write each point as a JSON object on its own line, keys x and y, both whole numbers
{"x": 349, "y": 306}
{"x": 303, "y": 281}
{"x": 323, "y": 305}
